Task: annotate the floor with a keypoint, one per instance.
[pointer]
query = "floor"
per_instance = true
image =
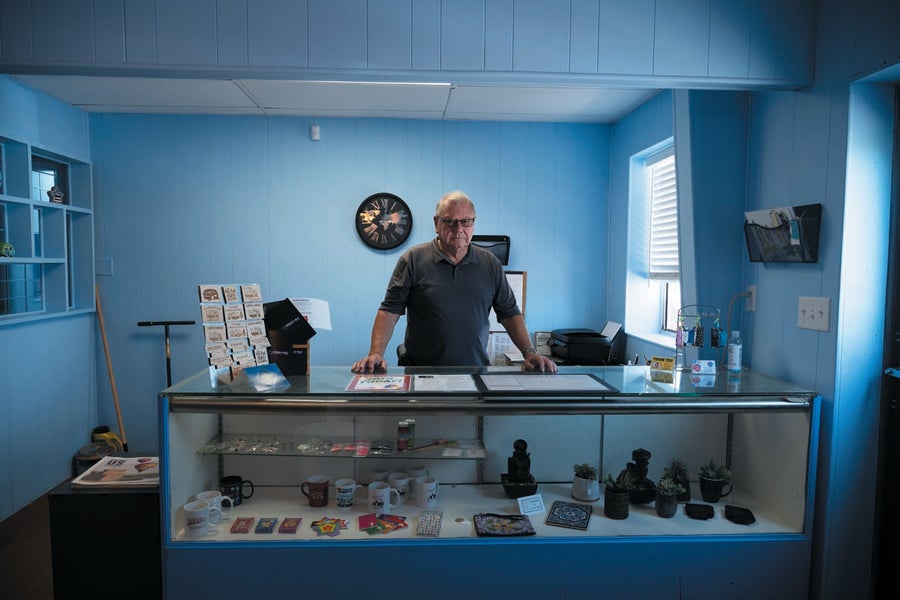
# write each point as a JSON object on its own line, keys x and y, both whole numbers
{"x": 26, "y": 566}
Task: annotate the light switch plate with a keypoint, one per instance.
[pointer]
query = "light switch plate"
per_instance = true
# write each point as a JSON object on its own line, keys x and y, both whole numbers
{"x": 814, "y": 313}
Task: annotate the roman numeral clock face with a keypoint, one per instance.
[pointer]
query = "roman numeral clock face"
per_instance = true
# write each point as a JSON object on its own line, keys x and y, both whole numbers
{"x": 383, "y": 221}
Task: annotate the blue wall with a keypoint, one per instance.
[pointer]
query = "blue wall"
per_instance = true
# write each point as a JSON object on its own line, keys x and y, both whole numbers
{"x": 640, "y": 42}
{"x": 48, "y": 369}
{"x": 797, "y": 153}
{"x": 185, "y": 200}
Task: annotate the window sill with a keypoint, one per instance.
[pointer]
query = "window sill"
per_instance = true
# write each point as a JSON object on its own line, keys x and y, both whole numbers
{"x": 666, "y": 341}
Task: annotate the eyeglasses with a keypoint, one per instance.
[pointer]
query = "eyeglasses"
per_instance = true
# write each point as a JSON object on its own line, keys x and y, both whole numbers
{"x": 454, "y": 222}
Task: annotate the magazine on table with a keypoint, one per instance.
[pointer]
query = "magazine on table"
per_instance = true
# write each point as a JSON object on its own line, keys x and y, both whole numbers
{"x": 120, "y": 471}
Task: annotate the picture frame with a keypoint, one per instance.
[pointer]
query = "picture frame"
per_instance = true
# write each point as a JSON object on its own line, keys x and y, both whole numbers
{"x": 518, "y": 281}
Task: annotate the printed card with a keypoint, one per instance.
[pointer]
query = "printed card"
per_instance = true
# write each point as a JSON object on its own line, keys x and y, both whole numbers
{"x": 242, "y": 524}
{"x": 266, "y": 524}
{"x": 289, "y": 525}
{"x": 210, "y": 293}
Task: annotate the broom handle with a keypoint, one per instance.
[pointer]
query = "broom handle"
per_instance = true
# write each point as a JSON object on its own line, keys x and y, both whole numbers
{"x": 112, "y": 377}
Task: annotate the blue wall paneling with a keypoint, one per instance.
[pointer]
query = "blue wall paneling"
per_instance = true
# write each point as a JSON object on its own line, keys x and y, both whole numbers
{"x": 678, "y": 42}
{"x": 851, "y": 39}
{"x": 188, "y": 200}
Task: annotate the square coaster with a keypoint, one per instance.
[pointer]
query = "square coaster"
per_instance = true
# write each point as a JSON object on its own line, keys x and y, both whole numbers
{"x": 569, "y": 514}
{"x": 289, "y": 525}
{"x": 492, "y": 525}
{"x": 242, "y": 524}
{"x": 266, "y": 524}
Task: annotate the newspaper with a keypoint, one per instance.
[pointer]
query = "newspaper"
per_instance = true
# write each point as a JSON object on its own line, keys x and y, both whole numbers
{"x": 118, "y": 471}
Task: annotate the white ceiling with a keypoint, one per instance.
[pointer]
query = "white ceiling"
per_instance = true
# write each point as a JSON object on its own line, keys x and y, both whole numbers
{"x": 341, "y": 99}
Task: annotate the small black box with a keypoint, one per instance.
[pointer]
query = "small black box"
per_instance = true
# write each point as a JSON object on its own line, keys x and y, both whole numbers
{"x": 293, "y": 360}
{"x": 285, "y": 326}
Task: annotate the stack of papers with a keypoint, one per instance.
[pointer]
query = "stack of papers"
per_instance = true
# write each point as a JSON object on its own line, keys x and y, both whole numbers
{"x": 118, "y": 471}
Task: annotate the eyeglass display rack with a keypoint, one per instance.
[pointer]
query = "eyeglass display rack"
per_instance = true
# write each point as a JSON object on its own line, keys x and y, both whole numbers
{"x": 774, "y": 448}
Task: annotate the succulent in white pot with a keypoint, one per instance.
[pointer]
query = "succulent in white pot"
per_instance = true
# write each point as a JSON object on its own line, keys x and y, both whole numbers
{"x": 585, "y": 486}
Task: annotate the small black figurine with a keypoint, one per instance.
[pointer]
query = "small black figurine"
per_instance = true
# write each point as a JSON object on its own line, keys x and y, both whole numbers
{"x": 519, "y": 464}
{"x": 644, "y": 490}
{"x": 518, "y": 480}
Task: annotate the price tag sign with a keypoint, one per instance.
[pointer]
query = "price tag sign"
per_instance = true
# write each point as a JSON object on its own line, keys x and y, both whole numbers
{"x": 531, "y": 505}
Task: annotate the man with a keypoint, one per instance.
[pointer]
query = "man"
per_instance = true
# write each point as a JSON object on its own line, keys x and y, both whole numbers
{"x": 446, "y": 288}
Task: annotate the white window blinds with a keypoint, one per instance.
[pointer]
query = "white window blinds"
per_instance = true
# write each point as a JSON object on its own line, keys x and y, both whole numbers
{"x": 663, "y": 217}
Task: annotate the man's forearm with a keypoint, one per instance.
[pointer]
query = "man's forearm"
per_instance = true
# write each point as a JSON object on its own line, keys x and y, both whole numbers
{"x": 382, "y": 330}
{"x": 518, "y": 332}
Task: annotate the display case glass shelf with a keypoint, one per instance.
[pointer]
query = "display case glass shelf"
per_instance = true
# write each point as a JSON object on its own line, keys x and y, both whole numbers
{"x": 252, "y": 444}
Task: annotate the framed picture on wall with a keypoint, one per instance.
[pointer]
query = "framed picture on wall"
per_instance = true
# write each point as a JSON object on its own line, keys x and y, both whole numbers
{"x": 517, "y": 281}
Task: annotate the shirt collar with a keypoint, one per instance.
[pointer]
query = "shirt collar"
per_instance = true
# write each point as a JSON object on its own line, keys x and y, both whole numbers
{"x": 470, "y": 257}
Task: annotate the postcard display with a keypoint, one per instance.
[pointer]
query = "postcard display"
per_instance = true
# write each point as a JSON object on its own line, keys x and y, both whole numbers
{"x": 312, "y": 430}
{"x": 233, "y": 327}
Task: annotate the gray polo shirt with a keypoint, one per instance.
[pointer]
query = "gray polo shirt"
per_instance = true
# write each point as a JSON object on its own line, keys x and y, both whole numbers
{"x": 447, "y": 306}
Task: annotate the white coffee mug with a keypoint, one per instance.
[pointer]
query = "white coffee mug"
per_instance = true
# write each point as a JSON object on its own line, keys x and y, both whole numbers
{"x": 382, "y": 497}
{"x": 345, "y": 493}
{"x": 415, "y": 471}
{"x": 217, "y": 500}
{"x": 199, "y": 516}
{"x": 400, "y": 482}
{"x": 426, "y": 492}
{"x": 379, "y": 474}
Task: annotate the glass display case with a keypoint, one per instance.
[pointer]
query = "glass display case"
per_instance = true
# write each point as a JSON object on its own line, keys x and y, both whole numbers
{"x": 465, "y": 424}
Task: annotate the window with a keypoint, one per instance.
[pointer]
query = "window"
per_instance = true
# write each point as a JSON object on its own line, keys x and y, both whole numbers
{"x": 664, "y": 264}
{"x": 21, "y": 288}
{"x": 654, "y": 288}
{"x": 49, "y": 180}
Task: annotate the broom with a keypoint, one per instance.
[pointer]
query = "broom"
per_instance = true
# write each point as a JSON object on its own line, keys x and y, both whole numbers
{"x": 112, "y": 377}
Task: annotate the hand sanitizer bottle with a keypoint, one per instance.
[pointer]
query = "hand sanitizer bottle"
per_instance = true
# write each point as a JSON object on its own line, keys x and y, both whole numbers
{"x": 733, "y": 363}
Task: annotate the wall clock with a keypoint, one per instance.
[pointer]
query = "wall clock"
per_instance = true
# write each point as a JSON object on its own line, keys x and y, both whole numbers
{"x": 383, "y": 221}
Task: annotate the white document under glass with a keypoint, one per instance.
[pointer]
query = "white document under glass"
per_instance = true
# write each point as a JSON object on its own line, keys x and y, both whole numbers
{"x": 548, "y": 383}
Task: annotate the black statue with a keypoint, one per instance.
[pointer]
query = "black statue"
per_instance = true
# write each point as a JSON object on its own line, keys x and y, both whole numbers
{"x": 518, "y": 480}
{"x": 643, "y": 490}
{"x": 519, "y": 464}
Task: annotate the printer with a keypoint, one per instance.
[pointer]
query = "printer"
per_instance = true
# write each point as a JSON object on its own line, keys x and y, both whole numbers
{"x": 588, "y": 347}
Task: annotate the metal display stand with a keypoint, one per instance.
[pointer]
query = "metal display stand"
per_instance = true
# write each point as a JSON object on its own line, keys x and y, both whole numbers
{"x": 166, "y": 325}
{"x": 697, "y": 325}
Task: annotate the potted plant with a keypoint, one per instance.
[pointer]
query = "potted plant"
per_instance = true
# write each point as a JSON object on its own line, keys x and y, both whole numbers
{"x": 713, "y": 479}
{"x": 615, "y": 496}
{"x": 677, "y": 470}
{"x": 667, "y": 490}
{"x": 585, "y": 486}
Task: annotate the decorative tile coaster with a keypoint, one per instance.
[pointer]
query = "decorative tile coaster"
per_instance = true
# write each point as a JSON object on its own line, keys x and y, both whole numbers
{"x": 569, "y": 514}
{"x": 493, "y": 525}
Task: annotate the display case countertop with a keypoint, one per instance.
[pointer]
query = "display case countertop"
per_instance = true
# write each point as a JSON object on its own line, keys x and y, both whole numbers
{"x": 497, "y": 390}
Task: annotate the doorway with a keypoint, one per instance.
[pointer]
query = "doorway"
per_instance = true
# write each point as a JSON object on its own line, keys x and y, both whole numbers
{"x": 887, "y": 516}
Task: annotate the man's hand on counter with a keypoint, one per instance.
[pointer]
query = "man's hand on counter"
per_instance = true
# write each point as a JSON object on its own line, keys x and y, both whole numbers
{"x": 370, "y": 364}
{"x": 539, "y": 362}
